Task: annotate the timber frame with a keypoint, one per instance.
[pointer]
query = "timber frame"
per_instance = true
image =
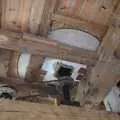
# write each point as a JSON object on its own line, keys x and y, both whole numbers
{"x": 28, "y": 43}
{"x": 25, "y": 32}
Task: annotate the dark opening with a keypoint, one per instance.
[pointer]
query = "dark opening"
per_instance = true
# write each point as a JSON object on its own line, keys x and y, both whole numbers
{"x": 63, "y": 71}
{"x": 118, "y": 84}
{"x": 66, "y": 92}
{"x": 67, "y": 98}
{"x": 6, "y": 96}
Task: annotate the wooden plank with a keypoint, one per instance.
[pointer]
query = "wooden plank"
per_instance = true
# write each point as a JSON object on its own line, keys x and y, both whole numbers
{"x": 36, "y": 15}
{"x": 106, "y": 72}
{"x": 60, "y": 21}
{"x": 34, "y": 70}
{"x": 47, "y": 15}
{"x": 115, "y": 17}
{"x": 13, "y": 64}
{"x": 106, "y": 9}
{"x": 69, "y": 8}
{"x": 40, "y": 100}
{"x": 0, "y": 12}
{"x": 27, "y": 111}
{"x": 62, "y": 50}
{"x": 4, "y": 61}
{"x": 98, "y": 11}
{"x": 9, "y": 18}
{"x": 90, "y": 9}
{"x": 3, "y": 14}
{"x": 38, "y": 45}
{"x": 25, "y": 6}
{"x": 25, "y": 88}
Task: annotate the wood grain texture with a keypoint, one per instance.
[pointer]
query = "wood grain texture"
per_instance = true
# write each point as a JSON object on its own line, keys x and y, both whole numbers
{"x": 13, "y": 110}
{"x": 106, "y": 72}
{"x": 4, "y": 62}
{"x": 21, "y": 15}
{"x": 29, "y": 43}
{"x": 13, "y": 64}
{"x": 25, "y": 6}
{"x": 60, "y": 22}
{"x": 34, "y": 73}
{"x": 98, "y": 11}
{"x": 36, "y": 15}
{"x": 69, "y": 7}
{"x": 50, "y": 6}
{"x": 9, "y": 14}
{"x": 0, "y": 12}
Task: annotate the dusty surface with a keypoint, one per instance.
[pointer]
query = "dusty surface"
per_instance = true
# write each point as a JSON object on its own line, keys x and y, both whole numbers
{"x": 4, "y": 61}
{"x": 16, "y": 110}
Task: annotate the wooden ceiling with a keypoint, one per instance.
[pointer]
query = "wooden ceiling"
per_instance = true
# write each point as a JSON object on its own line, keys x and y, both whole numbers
{"x": 41, "y": 16}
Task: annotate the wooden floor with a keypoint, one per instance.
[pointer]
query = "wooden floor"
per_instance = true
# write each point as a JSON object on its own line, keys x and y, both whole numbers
{"x": 16, "y": 110}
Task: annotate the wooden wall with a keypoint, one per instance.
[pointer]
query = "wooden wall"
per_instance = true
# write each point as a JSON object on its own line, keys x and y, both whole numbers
{"x": 98, "y": 11}
{"x": 21, "y": 15}
{"x": 41, "y": 16}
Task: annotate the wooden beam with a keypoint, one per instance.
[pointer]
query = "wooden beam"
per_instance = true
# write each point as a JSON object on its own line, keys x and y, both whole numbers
{"x": 20, "y": 83}
{"x": 0, "y": 12}
{"x": 47, "y": 16}
{"x": 115, "y": 17}
{"x": 60, "y": 21}
{"x": 25, "y": 6}
{"x": 27, "y": 111}
{"x": 106, "y": 72}
{"x": 24, "y": 88}
{"x": 40, "y": 100}
{"x": 36, "y": 13}
{"x": 13, "y": 64}
{"x": 38, "y": 45}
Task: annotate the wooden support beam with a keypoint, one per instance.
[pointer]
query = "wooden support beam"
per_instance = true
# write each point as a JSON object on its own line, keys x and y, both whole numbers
{"x": 38, "y": 45}
{"x": 24, "y": 88}
{"x": 27, "y": 111}
{"x": 13, "y": 64}
{"x": 0, "y": 12}
{"x": 47, "y": 16}
{"x": 35, "y": 17}
{"x": 25, "y": 6}
{"x": 60, "y": 21}
{"x": 115, "y": 17}
{"x": 106, "y": 72}
{"x": 26, "y": 91}
{"x": 4, "y": 61}
{"x": 41, "y": 100}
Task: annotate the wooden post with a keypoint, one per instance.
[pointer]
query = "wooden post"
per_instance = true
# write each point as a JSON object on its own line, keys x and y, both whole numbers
{"x": 47, "y": 17}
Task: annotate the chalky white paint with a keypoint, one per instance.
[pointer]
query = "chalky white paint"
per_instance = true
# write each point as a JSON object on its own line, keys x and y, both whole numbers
{"x": 23, "y": 64}
{"x": 75, "y": 38}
